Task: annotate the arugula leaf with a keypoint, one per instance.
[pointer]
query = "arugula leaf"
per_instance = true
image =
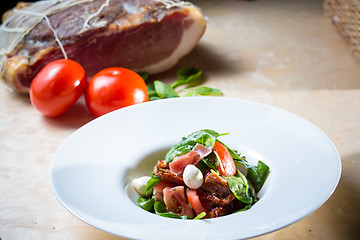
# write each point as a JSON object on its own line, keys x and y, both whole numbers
{"x": 257, "y": 175}
{"x": 205, "y": 137}
{"x": 186, "y": 75}
{"x": 163, "y": 90}
{"x": 152, "y": 182}
{"x": 146, "y": 203}
{"x": 239, "y": 186}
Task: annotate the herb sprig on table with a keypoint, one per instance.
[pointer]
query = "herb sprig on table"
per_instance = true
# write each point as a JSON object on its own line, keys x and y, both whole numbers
{"x": 187, "y": 76}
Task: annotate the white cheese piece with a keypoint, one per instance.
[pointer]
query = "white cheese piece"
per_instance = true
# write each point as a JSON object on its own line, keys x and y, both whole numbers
{"x": 140, "y": 183}
{"x": 193, "y": 177}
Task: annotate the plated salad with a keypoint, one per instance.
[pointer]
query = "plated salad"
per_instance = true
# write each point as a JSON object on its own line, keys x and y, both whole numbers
{"x": 201, "y": 177}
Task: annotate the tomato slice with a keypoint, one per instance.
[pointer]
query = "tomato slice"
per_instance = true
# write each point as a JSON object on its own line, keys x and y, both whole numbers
{"x": 226, "y": 164}
{"x": 194, "y": 201}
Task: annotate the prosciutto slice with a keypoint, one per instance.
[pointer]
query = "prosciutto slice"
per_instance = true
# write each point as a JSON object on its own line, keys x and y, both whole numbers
{"x": 158, "y": 188}
{"x": 143, "y": 35}
{"x": 179, "y": 163}
{"x": 176, "y": 201}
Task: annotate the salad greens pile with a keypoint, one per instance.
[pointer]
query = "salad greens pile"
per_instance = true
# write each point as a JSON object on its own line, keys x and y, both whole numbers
{"x": 187, "y": 76}
{"x": 244, "y": 186}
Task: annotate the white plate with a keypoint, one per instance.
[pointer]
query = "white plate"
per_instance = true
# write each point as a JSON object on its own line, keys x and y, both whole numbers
{"x": 92, "y": 168}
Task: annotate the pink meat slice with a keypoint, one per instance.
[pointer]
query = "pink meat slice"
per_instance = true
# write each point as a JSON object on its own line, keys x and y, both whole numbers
{"x": 202, "y": 150}
{"x": 158, "y": 189}
{"x": 145, "y": 36}
{"x": 176, "y": 201}
{"x": 179, "y": 163}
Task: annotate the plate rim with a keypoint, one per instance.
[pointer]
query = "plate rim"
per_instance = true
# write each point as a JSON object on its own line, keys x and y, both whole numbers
{"x": 260, "y": 232}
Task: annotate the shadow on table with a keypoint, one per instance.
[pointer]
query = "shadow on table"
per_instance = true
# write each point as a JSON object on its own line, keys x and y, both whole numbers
{"x": 75, "y": 117}
{"x": 205, "y": 58}
{"x": 341, "y": 213}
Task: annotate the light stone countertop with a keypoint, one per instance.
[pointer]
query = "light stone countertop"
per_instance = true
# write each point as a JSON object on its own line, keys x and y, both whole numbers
{"x": 282, "y": 53}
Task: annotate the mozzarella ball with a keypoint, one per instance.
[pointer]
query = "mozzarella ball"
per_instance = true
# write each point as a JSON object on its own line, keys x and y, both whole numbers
{"x": 140, "y": 184}
{"x": 193, "y": 177}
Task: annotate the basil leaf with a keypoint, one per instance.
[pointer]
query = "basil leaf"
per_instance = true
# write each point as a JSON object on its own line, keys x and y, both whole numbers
{"x": 152, "y": 182}
{"x": 146, "y": 203}
{"x": 164, "y": 91}
{"x": 205, "y": 137}
{"x": 187, "y": 75}
{"x": 257, "y": 175}
{"x": 239, "y": 186}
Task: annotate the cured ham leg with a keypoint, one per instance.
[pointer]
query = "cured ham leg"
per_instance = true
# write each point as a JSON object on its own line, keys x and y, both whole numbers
{"x": 143, "y": 35}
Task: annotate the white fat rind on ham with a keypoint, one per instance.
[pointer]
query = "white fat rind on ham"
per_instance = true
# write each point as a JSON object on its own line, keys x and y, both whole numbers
{"x": 193, "y": 178}
{"x": 188, "y": 41}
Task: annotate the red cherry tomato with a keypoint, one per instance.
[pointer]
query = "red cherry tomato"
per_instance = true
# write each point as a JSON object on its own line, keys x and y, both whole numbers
{"x": 114, "y": 88}
{"x": 226, "y": 163}
{"x": 57, "y": 86}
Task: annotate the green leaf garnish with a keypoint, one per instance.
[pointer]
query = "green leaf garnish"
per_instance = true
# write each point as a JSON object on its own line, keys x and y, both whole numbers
{"x": 146, "y": 203}
{"x": 257, "y": 175}
{"x": 202, "y": 91}
{"x": 154, "y": 180}
{"x": 239, "y": 186}
{"x": 164, "y": 91}
{"x": 200, "y": 216}
{"x": 205, "y": 137}
{"x": 187, "y": 75}
{"x": 160, "y": 209}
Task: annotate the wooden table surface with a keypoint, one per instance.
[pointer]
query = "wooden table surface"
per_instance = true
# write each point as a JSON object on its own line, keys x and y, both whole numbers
{"x": 282, "y": 53}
